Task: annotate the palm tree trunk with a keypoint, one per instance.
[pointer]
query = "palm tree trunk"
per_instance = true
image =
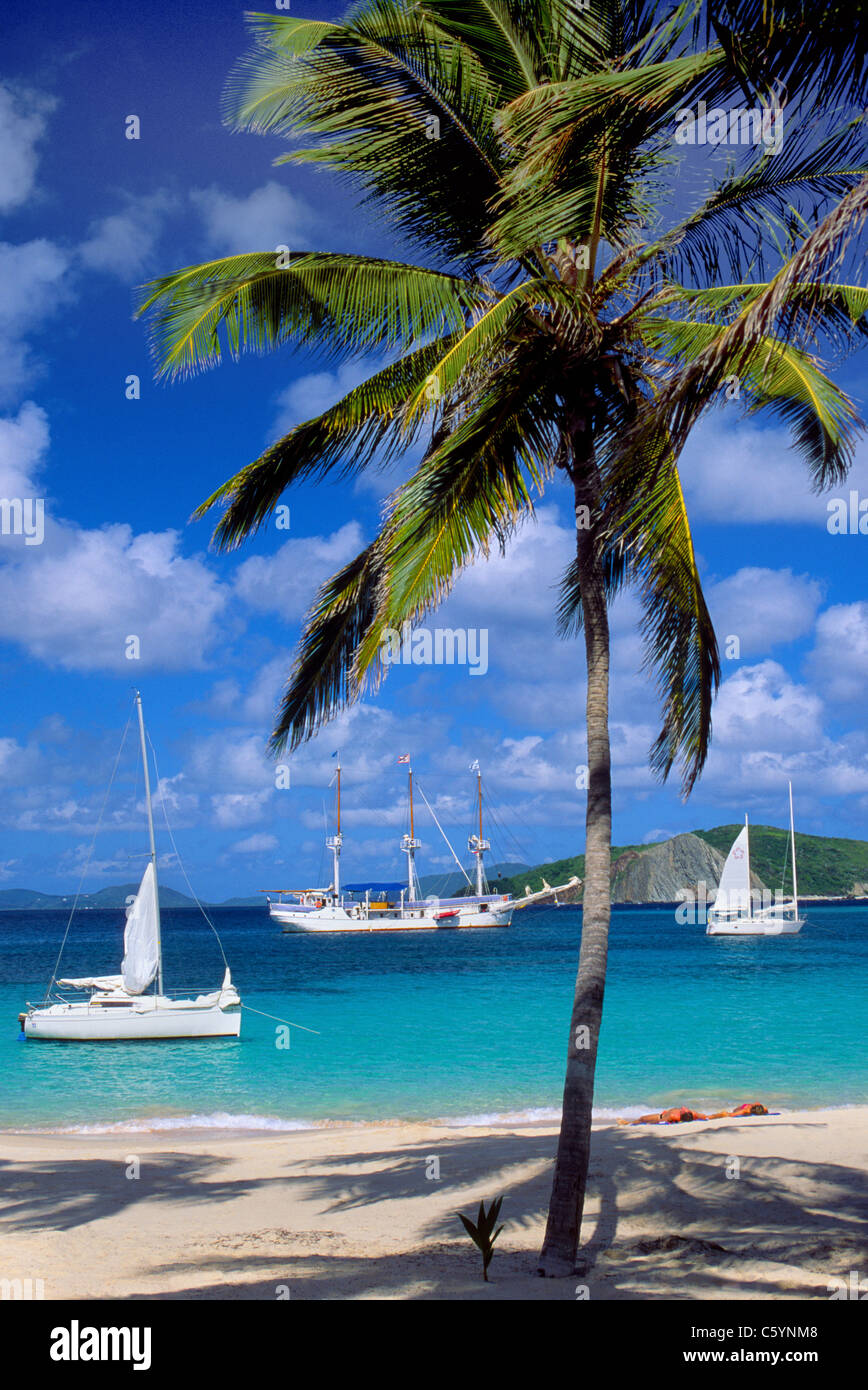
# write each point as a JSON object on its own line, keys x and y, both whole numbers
{"x": 561, "y": 1242}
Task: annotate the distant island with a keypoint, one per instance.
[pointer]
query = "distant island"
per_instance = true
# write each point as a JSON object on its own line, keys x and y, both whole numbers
{"x": 112, "y": 897}
{"x": 828, "y": 868}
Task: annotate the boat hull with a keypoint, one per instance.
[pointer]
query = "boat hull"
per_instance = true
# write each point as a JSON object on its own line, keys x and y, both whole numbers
{"x": 325, "y": 921}
{"x": 83, "y": 1023}
{"x": 771, "y": 927}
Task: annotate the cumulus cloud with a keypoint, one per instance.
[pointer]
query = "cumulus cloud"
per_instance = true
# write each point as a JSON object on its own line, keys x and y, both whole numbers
{"x": 839, "y": 659}
{"x": 24, "y": 441}
{"x": 268, "y": 217}
{"x": 286, "y": 582}
{"x": 75, "y": 601}
{"x": 749, "y": 474}
{"x": 23, "y": 119}
{"x": 33, "y": 287}
{"x": 743, "y": 473}
{"x": 763, "y": 607}
{"x": 256, "y": 844}
{"x": 761, "y": 707}
{"x": 232, "y": 810}
{"x": 122, "y": 243}
{"x": 310, "y": 395}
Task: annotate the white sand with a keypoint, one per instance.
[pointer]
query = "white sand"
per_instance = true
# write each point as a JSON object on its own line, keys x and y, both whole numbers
{"x": 350, "y": 1213}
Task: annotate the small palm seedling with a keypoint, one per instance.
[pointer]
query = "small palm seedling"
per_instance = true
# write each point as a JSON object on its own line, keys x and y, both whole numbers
{"x": 481, "y": 1233}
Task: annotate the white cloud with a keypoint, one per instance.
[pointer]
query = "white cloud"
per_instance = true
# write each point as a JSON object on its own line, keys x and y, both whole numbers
{"x": 310, "y": 395}
{"x": 763, "y": 607}
{"x": 23, "y": 444}
{"x": 256, "y": 844}
{"x": 232, "y": 810}
{"x": 33, "y": 286}
{"x": 839, "y": 660}
{"x": 22, "y": 125}
{"x": 121, "y": 243}
{"x": 286, "y": 582}
{"x": 75, "y": 600}
{"x": 762, "y": 708}
{"x": 741, "y": 473}
{"x": 268, "y": 217}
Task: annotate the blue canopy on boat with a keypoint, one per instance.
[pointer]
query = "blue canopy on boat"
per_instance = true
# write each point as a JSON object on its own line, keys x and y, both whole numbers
{"x": 375, "y": 886}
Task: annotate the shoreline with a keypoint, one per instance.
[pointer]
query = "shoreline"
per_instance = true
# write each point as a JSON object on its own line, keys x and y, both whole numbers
{"x": 532, "y": 1117}
{"x": 368, "y": 1211}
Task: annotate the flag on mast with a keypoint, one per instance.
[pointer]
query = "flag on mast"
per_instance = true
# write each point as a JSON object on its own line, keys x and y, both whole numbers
{"x": 474, "y": 767}
{"x": 404, "y": 758}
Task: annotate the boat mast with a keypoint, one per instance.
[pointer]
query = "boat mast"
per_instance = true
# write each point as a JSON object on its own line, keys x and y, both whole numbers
{"x": 153, "y": 842}
{"x": 747, "y": 853}
{"x": 793, "y": 844}
{"x": 409, "y": 844}
{"x": 477, "y": 844}
{"x": 335, "y": 842}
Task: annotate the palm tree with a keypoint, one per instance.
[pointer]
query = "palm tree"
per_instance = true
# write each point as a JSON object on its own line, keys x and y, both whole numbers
{"x": 553, "y": 326}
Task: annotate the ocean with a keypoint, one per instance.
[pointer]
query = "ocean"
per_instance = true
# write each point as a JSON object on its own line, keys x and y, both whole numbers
{"x": 468, "y": 1026}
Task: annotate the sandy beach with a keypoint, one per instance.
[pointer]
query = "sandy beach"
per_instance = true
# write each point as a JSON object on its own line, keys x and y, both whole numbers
{"x": 351, "y": 1213}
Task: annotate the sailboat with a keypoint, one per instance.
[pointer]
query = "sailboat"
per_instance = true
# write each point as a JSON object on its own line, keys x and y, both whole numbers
{"x": 734, "y": 913}
{"x": 115, "y": 1008}
{"x": 378, "y": 905}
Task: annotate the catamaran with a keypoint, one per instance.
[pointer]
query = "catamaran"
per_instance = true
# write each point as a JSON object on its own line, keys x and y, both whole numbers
{"x": 389, "y": 906}
{"x": 116, "y": 1008}
{"x": 734, "y": 912}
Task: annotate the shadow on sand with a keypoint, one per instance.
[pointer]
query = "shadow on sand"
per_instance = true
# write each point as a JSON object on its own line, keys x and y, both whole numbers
{"x": 777, "y": 1213}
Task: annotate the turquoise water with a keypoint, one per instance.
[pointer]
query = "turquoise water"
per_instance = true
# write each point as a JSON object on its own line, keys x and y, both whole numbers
{"x": 453, "y": 1025}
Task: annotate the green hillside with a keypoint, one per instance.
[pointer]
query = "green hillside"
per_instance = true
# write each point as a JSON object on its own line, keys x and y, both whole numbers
{"x": 555, "y": 872}
{"x": 827, "y": 867}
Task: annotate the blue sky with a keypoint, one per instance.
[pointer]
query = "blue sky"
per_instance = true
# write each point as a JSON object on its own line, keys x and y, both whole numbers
{"x": 85, "y": 216}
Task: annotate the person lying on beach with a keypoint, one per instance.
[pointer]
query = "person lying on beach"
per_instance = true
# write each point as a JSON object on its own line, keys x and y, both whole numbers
{"x": 681, "y": 1114}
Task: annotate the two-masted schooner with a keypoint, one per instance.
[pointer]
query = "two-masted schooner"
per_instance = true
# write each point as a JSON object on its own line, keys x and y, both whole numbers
{"x": 118, "y": 1008}
{"x": 378, "y": 905}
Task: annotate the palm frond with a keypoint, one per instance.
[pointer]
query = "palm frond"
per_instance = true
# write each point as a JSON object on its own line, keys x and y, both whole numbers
{"x": 782, "y": 379}
{"x": 393, "y": 103}
{"x": 367, "y": 427}
{"x": 345, "y": 306}
{"x": 320, "y": 682}
{"x": 472, "y": 489}
{"x": 790, "y": 45}
{"x": 754, "y": 209}
{"x": 569, "y": 133}
{"x": 681, "y": 648}
{"x": 683, "y": 399}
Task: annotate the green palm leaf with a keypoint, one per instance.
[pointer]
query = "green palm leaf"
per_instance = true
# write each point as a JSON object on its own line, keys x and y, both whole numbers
{"x": 368, "y": 427}
{"x": 345, "y": 306}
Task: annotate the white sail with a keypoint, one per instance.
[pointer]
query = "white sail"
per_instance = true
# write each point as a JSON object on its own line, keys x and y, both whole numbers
{"x": 733, "y": 892}
{"x": 141, "y": 937}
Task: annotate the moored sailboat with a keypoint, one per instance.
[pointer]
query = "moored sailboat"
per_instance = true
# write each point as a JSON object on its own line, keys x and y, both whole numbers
{"x": 115, "y": 1008}
{"x": 735, "y": 912}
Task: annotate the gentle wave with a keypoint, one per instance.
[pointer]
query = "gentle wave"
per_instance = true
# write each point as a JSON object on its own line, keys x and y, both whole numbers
{"x": 156, "y": 1123}
{"x": 494, "y": 1119}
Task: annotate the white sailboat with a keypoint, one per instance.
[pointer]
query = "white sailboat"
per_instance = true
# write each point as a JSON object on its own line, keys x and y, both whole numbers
{"x": 734, "y": 912}
{"x": 381, "y": 906}
{"x": 115, "y": 1008}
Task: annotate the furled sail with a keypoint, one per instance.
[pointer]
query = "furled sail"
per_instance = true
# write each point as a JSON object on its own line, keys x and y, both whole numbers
{"x": 733, "y": 893}
{"x": 141, "y": 947}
